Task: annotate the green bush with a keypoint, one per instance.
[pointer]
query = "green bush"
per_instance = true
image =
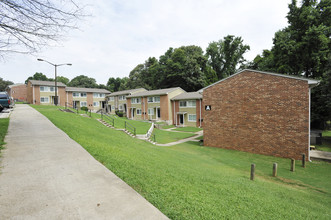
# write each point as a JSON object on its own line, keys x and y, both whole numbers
{"x": 120, "y": 114}
{"x": 84, "y": 108}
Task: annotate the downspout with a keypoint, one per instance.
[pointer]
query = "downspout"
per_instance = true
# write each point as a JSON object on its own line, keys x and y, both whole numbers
{"x": 309, "y": 125}
{"x": 200, "y": 114}
{"x": 33, "y": 101}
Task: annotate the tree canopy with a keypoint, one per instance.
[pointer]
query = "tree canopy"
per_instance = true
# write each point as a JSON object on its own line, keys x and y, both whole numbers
{"x": 4, "y": 84}
{"x": 83, "y": 81}
{"x": 38, "y": 76}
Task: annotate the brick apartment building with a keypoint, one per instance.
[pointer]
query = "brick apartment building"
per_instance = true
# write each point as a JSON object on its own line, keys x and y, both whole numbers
{"x": 17, "y": 91}
{"x": 259, "y": 112}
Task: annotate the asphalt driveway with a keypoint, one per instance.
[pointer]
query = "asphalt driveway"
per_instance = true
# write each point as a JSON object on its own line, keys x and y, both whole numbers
{"x": 46, "y": 175}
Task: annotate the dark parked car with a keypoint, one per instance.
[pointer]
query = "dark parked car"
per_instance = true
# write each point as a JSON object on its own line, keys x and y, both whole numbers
{"x": 5, "y": 101}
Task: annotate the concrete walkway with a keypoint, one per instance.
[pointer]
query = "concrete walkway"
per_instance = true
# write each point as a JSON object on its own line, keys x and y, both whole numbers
{"x": 193, "y": 138}
{"x": 46, "y": 175}
{"x": 322, "y": 155}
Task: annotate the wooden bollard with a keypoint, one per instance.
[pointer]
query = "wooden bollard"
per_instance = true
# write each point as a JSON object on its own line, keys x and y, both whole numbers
{"x": 304, "y": 160}
{"x": 274, "y": 170}
{"x": 252, "y": 171}
{"x": 292, "y": 165}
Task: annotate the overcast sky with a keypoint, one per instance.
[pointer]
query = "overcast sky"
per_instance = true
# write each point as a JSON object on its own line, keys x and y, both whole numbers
{"x": 123, "y": 34}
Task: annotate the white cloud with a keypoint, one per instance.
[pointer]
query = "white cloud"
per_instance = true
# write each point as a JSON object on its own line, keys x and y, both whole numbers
{"x": 122, "y": 34}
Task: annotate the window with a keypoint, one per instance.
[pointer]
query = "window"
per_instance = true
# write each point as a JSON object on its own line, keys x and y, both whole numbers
{"x": 113, "y": 107}
{"x": 121, "y": 97}
{"x": 111, "y": 98}
{"x": 96, "y": 104}
{"x": 75, "y": 94}
{"x": 135, "y": 100}
{"x": 153, "y": 99}
{"x": 138, "y": 111}
{"x": 150, "y": 111}
{"x": 83, "y": 104}
{"x": 44, "y": 99}
{"x": 52, "y": 89}
{"x": 182, "y": 104}
{"x": 190, "y": 103}
{"x": 120, "y": 107}
{"x": 98, "y": 95}
{"x": 192, "y": 118}
{"x": 83, "y": 94}
{"x": 47, "y": 89}
{"x": 42, "y": 88}
{"x": 79, "y": 94}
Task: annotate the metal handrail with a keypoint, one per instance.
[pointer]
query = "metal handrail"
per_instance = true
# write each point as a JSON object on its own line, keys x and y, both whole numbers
{"x": 132, "y": 128}
{"x": 111, "y": 119}
{"x": 153, "y": 137}
{"x": 69, "y": 105}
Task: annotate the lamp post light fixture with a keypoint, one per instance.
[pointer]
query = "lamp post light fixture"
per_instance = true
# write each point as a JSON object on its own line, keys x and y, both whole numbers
{"x": 55, "y": 65}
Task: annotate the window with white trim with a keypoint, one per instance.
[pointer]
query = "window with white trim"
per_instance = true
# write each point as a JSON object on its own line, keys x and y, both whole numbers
{"x": 44, "y": 100}
{"x": 121, "y": 97}
{"x": 47, "y": 88}
{"x": 153, "y": 99}
{"x": 52, "y": 89}
{"x": 96, "y": 104}
{"x": 189, "y": 103}
{"x": 98, "y": 95}
{"x": 111, "y": 98}
{"x": 75, "y": 94}
{"x": 182, "y": 103}
{"x": 151, "y": 111}
{"x": 136, "y": 100}
{"x": 138, "y": 111}
{"x": 120, "y": 107}
{"x": 192, "y": 118}
{"x": 113, "y": 107}
{"x": 83, "y": 104}
{"x": 83, "y": 94}
{"x": 42, "y": 89}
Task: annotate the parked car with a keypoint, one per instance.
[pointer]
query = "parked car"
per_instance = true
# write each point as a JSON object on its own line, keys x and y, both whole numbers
{"x": 5, "y": 101}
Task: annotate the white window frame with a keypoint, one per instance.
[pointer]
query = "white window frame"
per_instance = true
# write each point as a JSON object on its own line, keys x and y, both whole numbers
{"x": 120, "y": 107}
{"x": 182, "y": 104}
{"x": 136, "y": 100}
{"x": 111, "y": 98}
{"x": 156, "y": 97}
{"x": 151, "y": 110}
{"x": 138, "y": 110}
{"x": 190, "y": 120}
{"x": 95, "y": 95}
{"x": 83, "y": 105}
{"x": 75, "y": 94}
{"x": 43, "y": 90}
{"x": 44, "y": 100}
{"x": 96, "y": 104}
{"x": 152, "y": 99}
{"x": 113, "y": 107}
{"x": 189, "y": 102}
{"x": 122, "y": 97}
{"x": 83, "y": 94}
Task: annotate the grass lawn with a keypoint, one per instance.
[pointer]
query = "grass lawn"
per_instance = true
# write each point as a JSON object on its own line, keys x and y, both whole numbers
{"x": 188, "y": 129}
{"x": 4, "y": 122}
{"x": 163, "y": 137}
{"x": 200, "y": 137}
{"x": 326, "y": 133}
{"x": 167, "y": 126}
{"x": 188, "y": 181}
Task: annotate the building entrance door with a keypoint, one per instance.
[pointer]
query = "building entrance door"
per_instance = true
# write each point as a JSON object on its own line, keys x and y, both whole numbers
{"x": 181, "y": 119}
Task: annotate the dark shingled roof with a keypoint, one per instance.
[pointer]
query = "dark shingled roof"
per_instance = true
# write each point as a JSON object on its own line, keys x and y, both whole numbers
{"x": 78, "y": 89}
{"x": 46, "y": 83}
{"x": 154, "y": 92}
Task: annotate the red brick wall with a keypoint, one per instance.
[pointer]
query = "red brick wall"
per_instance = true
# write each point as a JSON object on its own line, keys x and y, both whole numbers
{"x": 89, "y": 100}
{"x": 164, "y": 107}
{"x": 18, "y": 92}
{"x": 63, "y": 96}
{"x": 258, "y": 113}
{"x": 29, "y": 93}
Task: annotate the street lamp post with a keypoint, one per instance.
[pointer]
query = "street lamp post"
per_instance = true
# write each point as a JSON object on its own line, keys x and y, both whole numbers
{"x": 55, "y": 65}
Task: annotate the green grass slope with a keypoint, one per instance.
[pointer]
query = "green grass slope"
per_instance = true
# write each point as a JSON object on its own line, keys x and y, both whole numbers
{"x": 188, "y": 181}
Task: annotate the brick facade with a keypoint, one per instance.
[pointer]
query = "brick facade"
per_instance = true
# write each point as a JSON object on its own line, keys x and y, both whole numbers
{"x": 258, "y": 113}
{"x": 18, "y": 92}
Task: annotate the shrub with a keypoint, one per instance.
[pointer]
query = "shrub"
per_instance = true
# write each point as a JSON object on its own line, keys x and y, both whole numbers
{"x": 120, "y": 114}
{"x": 84, "y": 108}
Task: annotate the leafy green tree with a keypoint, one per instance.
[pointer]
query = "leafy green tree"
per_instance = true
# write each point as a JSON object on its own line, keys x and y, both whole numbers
{"x": 38, "y": 76}
{"x": 114, "y": 84}
{"x": 4, "y": 84}
{"x": 225, "y": 56}
{"x": 83, "y": 81}
{"x": 62, "y": 79}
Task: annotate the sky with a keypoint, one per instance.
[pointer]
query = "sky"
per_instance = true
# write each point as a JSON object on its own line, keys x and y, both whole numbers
{"x": 119, "y": 35}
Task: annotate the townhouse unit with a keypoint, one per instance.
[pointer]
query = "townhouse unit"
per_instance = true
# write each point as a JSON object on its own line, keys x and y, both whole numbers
{"x": 187, "y": 109}
{"x": 92, "y": 98}
{"x": 152, "y": 105}
{"x": 116, "y": 101}
{"x": 43, "y": 93}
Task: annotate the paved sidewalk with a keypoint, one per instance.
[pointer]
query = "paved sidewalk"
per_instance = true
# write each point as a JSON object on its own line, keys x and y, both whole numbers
{"x": 46, "y": 175}
{"x": 193, "y": 138}
{"x": 323, "y": 155}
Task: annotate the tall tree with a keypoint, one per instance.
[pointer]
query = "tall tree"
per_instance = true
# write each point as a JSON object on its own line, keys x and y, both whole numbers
{"x": 226, "y": 55}
{"x": 83, "y": 81}
{"x": 4, "y": 84}
{"x": 38, "y": 76}
{"x": 27, "y": 26}
{"x": 114, "y": 84}
{"x": 62, "y": 79}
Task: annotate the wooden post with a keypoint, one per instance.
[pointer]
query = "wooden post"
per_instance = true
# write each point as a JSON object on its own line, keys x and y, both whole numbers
{"x": 274, "y": 170}
{"x": 292, "y": 165}
{"x": 304, "y": 160}
{"x": 252, "y": 171}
